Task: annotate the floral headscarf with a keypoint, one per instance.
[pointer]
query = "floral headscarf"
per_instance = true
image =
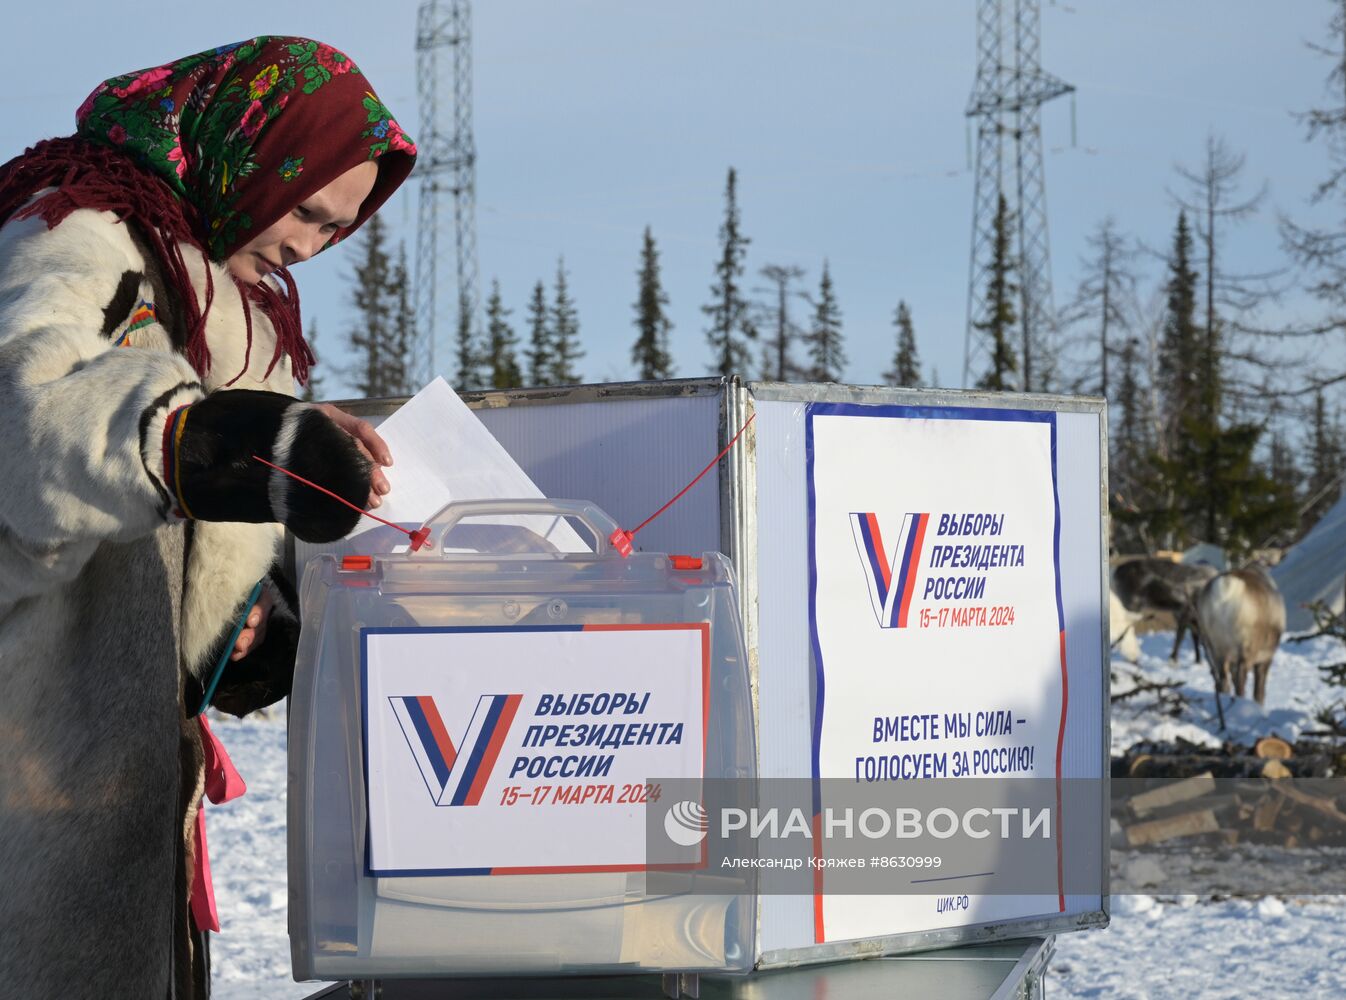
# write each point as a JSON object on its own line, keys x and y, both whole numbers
{"x": 245, "y": 132}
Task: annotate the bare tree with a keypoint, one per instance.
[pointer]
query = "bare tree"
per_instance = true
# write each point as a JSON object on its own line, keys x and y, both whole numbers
{"x": 1321, "y": 253}
{"x": 1105, "y": 299}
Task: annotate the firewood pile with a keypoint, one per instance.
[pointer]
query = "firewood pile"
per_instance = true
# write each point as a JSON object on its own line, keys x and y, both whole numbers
{"x": 1238, "y": 795}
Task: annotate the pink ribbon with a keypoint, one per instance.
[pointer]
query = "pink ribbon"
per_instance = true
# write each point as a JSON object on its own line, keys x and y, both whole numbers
{"x": 223, "y": 783}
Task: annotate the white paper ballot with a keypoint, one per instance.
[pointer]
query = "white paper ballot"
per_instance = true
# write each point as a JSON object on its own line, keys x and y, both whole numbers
{"x": 441, "y": 453}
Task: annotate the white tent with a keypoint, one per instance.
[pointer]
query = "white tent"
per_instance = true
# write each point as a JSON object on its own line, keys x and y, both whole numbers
{"x": 1315, "y": 569}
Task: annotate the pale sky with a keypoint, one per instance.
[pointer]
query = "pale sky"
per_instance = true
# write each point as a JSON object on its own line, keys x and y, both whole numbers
{"x": 844, "y": 120}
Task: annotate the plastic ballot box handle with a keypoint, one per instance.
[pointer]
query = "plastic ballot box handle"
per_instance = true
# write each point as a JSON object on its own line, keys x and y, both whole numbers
{"x": 594, "y": 518}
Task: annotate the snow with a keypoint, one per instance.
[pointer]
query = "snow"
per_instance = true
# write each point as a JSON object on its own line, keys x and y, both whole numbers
{"x": 1296, "y": 692}
{"x": 1183, "y": 947}
{"x": 1190, "y": 946}
{"x": 250, "y": 956}
{"x": 1157, "y": 946}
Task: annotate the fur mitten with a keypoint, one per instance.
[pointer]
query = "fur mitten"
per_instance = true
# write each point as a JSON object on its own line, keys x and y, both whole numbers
{"x": 209, "y": 470}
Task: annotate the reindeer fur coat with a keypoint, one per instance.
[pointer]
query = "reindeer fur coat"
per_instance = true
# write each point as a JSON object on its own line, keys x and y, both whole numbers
{"x": 111, "y": 611}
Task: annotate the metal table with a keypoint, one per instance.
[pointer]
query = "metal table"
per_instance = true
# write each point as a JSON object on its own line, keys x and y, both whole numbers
{"x": 1005, "y": 970}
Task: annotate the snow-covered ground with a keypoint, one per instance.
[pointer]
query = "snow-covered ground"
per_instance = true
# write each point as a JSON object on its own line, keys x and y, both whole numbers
{"x": 1295, "y": 693}
{"x": 1156, "y": 947}
{"x": 251, "y": 954}
{"x": 1186, "y": 946}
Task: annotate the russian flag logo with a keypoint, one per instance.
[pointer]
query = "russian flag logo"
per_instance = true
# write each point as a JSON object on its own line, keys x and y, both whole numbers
{"x": 455, "y": 776}
{"x": 891, "y": 577}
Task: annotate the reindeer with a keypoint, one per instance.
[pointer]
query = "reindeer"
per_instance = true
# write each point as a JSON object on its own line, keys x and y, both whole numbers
{"x": 1241, "y": 615}
{"x": 1122, "y": 628}
{"x": 1148, "y": 583}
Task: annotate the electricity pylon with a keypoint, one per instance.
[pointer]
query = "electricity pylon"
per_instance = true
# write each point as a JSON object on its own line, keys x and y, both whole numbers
{"x": 1010, "y": 89}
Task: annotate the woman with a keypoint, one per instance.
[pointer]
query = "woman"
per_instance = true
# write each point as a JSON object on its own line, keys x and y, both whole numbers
{"x": 149, "y": 344}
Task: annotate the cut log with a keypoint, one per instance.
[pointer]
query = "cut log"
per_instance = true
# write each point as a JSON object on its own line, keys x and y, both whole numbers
{"x": 1184, "y": 825}
{"x": 1273, "y": 748}
{"x": 1140, "y": 765}
{"x": 1274, "y": 769}
{"x": 1324, "y": 807}
{"x": 1174, "y": 766}
{"x": 1264, "y": 813}
{"x": 1167, "y": 795}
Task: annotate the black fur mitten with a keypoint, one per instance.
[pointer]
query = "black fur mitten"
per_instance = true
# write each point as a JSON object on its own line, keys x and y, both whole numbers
{"x": 209, "y": 469}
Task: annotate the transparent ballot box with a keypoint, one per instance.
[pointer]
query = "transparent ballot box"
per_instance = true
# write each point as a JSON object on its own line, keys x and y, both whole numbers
{"x": 823, "y": 479}
{"x": 477, "y": 732}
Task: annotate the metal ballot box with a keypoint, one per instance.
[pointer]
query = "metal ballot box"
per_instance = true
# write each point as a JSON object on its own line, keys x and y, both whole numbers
{"x": 472, "y": 737}
{"x": 901, "y": 555}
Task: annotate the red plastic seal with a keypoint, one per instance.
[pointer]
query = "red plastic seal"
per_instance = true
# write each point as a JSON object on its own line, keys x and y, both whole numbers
{"x": 621, "y": 541}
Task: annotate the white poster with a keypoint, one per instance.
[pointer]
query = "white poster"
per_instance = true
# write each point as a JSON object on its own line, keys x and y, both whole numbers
{"x": 936, "y": 624}
{"x": 492, "y": 751}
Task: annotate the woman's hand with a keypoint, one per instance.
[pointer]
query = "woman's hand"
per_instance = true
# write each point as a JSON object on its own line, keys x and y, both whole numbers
{"x": 368, "y": 441}
{"x": 254, "y": 631}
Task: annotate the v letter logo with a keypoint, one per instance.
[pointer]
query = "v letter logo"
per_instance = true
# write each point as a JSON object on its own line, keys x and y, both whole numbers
{"x": 891, "y": 577}
{"x": 455, "y": 776}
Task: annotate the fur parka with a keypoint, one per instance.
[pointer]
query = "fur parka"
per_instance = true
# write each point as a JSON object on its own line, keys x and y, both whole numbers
{"x": 112, "y": 609}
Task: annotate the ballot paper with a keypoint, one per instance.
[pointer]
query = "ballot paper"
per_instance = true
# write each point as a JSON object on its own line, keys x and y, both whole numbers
{"x": 442, "y": 453}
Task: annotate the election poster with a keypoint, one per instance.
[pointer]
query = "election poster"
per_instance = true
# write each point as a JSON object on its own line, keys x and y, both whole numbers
{"x": 937, "y": 630}
{"x": 506, "y": 751}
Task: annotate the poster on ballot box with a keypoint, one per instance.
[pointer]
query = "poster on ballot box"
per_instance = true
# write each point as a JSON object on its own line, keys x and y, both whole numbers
{"x": 938, "y": 644}
{"x": 506, "y": 751}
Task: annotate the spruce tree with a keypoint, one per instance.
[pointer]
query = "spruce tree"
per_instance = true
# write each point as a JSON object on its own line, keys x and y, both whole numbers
{"x": 502, "y": 363}
{"x": 1129, "y": 450}
{"x": 540, "y": 341}
{"x": 402, "y": 332}
{"x": 565, "y": 332}
{"x": 1129, "y": 434}
{"x": 1179, "y": 343}
{"x": 466, "y": 353}
{"x": 650, "y": 352}
{"x": 999, "y": 320}
{"x": 1173, "y": 476}
{"x": 1284, "y": 470}
{"x": 1228, "y": 499}
{"x": 777, "y": 362}
{"x": 1205, "y": 482}
{"x": 731, "y": 329}
{"x": 371, "y": 336}
{"x": 906, "y": 370}
{"x": 826, "y": 351}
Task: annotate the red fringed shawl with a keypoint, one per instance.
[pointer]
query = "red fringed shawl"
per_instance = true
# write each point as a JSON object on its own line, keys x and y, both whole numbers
{"x": 206, "y": 153}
